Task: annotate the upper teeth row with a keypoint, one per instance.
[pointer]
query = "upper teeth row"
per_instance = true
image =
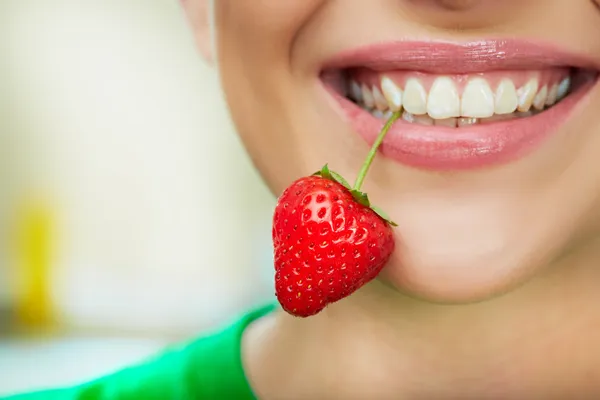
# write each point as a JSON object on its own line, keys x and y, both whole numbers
{"x": 443, "y": 100}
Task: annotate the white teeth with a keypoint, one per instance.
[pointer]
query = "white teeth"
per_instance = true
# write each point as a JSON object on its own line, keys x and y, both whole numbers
{"x": 392, "y": 93}
{"x": 477, "y": 99}
{"x": 415, "y": 97}
{"x": 540, "y": 99}
{"x": 381, "y": 114}
{"x": 526, "y": 94}
{"x": 377, "y": 114}
{"x": 417, "y": 119}
{"x": 423, "y": 120}
{"x": 552, "y": 95}
{"x": 444, "y": 107}
{"x": 506, "y": 101}
{"x": 497, "y": 118}
{"x": 466, "y": 121}
{"x": 380, "y": 101}
{"x": 500, "y": 117}
{"x": 367, "y": 96}
{"x": 355, "y": 91}
{"x": 449, "y": 122}
{"x": 563, "y": 88}
{"x": 408, "y": 117}
{"x": 524, "y": 114}
{"x": 443, "y": 101}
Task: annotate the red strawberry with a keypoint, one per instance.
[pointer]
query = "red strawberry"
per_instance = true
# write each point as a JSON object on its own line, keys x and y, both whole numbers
{"x": 328, "y": 240}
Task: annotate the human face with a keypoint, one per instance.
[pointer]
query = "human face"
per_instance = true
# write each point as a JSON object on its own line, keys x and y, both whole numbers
{"x": 481, "y": 207}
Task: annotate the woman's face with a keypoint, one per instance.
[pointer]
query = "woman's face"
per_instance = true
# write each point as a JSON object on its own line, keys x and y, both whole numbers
{"x": 494, "y": 172}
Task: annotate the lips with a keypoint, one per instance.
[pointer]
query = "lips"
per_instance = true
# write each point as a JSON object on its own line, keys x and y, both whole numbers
{"x": 467, "y": 105}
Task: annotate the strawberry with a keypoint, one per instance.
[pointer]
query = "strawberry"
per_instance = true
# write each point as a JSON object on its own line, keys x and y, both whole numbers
{"x": 328, "y": 239}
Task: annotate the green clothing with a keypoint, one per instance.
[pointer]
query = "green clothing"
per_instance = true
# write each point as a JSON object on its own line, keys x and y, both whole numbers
{"x": 207, "y": 368}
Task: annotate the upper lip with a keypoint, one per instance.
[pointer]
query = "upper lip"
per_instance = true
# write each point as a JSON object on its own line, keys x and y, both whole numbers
{"x": 461, "y": 57}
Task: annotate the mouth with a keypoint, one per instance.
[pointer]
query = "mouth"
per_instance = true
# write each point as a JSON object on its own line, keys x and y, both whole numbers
{"x": 463, "y": 106}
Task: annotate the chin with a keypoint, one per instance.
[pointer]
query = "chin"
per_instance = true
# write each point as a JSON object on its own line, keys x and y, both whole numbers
{"x": 452, "y": 264}
{"x": 458, "y": 279}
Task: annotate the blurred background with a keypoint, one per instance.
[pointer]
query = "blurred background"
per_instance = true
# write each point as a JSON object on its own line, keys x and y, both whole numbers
{"x": 130, "y": 216}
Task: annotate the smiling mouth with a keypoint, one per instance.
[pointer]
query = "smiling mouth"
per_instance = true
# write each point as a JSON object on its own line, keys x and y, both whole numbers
{"x": 460, "y": 100}
{"x": 464, "y": 105}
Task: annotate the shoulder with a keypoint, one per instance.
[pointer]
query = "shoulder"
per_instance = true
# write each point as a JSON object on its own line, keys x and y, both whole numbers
{"x": 209, "y": 366}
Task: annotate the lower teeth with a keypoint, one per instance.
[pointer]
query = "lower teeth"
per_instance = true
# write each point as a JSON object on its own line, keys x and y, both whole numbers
{"x": 451, "y": 122}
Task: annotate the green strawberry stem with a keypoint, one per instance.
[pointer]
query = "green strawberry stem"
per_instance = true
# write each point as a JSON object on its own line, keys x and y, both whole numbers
{"x": 371, "y": 156}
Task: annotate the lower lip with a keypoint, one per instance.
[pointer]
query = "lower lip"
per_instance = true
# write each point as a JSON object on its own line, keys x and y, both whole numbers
{"x": 472, "y": 147}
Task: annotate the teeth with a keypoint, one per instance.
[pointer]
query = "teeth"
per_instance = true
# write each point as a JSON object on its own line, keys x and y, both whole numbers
{"x": 506, "y": 101}
{"x": 355, "y": 91}
{"x": 552, "y": 95}
{"x": 367, "y": 96}
{"x": 415, "y": 97}
{"x": 377, "y": 114}
{"x": 423, "y": 120}
{"x": 477, "y": 99}
{"x": 467, "y": 121}
{"x": 443, "y": 101}
{"x": 392, "y": 93}
{"x": 444, "y": 107}
{"x": 563, "y": 88}
{"x": 408, "y": 117}
{"x": 540, "y": 99}
{"x": 498, "y": 117}
{"x": 380, "y": 101}
{"x": 526, "y": 95}
{"x": 417, "y": 119}
{"x": 524, "y": 114}
{"x": 449, "y": 122}
{"x": 381, "y": 114}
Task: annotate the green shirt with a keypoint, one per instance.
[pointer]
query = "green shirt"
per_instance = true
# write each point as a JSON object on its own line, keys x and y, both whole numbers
{"x": 207, "y": 368}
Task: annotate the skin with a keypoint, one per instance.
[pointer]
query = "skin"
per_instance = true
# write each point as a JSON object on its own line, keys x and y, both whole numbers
{"x": 442, "y": 322}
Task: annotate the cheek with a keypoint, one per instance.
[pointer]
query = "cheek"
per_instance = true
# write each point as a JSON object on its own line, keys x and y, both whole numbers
{"x": 261, "y": 31}
{"x": 254, "y": 44}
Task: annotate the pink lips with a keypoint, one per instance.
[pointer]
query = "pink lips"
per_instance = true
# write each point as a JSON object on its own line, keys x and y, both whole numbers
{"x": 440, "y": 148}
{"x": 460, "y": 58}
